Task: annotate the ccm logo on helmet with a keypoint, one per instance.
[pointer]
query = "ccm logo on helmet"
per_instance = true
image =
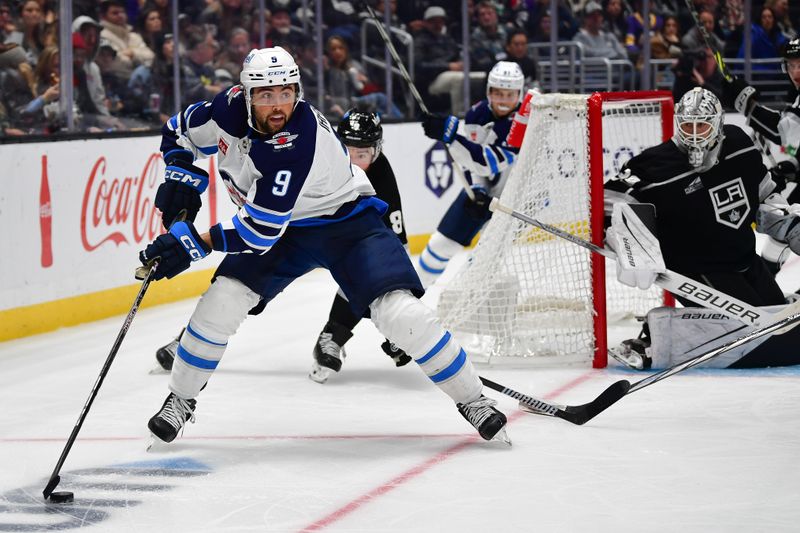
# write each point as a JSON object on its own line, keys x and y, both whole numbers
{"x": 182, "y": 177}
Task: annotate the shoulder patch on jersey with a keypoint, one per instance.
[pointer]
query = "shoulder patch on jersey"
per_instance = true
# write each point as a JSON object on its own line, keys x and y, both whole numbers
{"x": 233, "y": 92}
{"x": 283, "y": 140}
{"x": 223, "y": 146}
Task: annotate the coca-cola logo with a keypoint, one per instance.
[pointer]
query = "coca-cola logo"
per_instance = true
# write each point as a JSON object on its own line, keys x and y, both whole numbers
{"x": 117, "y": 209}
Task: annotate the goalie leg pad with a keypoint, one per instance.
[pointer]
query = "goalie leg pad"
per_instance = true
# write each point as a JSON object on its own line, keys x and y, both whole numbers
{"x": 217, "y": 316}
{"x": 413, "y": 327}
{"x": 679, "y": 334}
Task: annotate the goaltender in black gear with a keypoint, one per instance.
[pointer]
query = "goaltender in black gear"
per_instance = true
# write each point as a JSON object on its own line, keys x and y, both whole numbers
{"x": 708, "y": 185}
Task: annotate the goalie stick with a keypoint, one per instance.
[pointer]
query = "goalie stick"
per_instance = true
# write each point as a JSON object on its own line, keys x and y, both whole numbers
{"x": 415, "y": 93}
{"x": 785, "y": 319}
{"x": 54, "y": 477}
{"x": 673, "y": 282}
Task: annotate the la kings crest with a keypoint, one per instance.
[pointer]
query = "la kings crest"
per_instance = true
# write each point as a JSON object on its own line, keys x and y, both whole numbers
{"x": 731, "y": 205}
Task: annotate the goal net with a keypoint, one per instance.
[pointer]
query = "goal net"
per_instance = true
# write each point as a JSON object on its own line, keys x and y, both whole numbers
{"x": 525, "y": 295}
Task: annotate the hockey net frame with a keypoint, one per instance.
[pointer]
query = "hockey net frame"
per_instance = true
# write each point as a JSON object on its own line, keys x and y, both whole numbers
{"x": 503, "y": 345}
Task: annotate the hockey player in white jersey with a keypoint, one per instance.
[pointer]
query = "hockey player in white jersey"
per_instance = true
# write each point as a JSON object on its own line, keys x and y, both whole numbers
{"x": 485, "y": 154}
{"x": 301, "y": 206}
{"x": 687, "y": 205}
{"x": 781, "y": 128}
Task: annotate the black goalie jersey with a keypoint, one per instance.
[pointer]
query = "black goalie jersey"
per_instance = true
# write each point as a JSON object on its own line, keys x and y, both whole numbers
{"x": 703, "y": 219}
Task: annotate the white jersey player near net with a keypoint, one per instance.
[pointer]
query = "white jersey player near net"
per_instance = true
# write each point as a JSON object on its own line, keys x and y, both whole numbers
{"x": 301, "y": 206}
{"x": 779, "y": 127}
{"x": 693, "y": 199}
{"x": 485, "y": 154}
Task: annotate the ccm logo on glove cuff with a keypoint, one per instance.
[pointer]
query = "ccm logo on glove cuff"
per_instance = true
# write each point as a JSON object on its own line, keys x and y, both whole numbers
{"x": 195, "y": 181}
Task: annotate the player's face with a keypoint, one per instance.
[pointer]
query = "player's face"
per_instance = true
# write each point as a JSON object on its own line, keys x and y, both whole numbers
{"x": 361, "y": 156}
{"x": 503, "y": 101}
{"x": 793, "y": 70}
{"x": 696, "y": 130}
{"x": 273, "y": 107}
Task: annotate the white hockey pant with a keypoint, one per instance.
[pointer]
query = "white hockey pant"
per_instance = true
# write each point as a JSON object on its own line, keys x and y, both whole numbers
{"x": 434, "y": 258}
{"x": 412, "y": 326}
{"x": 216, "y": 318}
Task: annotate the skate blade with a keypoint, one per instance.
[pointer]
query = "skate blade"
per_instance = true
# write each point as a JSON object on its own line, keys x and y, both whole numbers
{"x": 158, "y": 369}
{"x": 502, "y": 436}
{"x": 634, "y": 363}
{"x": 319, "y": 374}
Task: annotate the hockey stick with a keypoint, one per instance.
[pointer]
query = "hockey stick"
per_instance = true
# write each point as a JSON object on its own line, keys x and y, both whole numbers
{"x": 55, "y": 478}
{"x": 673, "y": 282}
{"x": 576, "y": 414}
{"x": 785, "y": 319}
{"x": 415, "y": 93}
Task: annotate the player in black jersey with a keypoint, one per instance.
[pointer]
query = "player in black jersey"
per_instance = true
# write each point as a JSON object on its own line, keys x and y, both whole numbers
{"x": 781, "y": 128}
{"x": 707, "y": 184}
{"x": 362, "y": 134}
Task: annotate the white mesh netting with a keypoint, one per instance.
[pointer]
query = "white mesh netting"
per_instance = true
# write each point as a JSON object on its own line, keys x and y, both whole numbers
{"x": 525, "y": 295}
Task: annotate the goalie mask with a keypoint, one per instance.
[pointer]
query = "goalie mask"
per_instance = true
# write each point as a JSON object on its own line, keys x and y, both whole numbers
{"x": 791, "y": 61}
{"x": 698, "y": 126}
{"x": 360, "y": 129}
{"x": 505, "y": 75}
{"x": 268, "y": 67}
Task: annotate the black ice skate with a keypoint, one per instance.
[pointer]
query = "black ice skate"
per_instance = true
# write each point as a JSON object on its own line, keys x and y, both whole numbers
{"x": 399, "y": 357}
{"x": 489, "y": 422}
{"x": 329, "y": 351}
{"x": 166, "y": 354}
{"x": 633, "y": 354}
{"x": 169, "y": 421}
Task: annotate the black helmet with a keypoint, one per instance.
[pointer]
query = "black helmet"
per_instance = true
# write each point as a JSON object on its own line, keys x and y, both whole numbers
{"x": 361, "y": 129}
{"x": 792, "y": 50}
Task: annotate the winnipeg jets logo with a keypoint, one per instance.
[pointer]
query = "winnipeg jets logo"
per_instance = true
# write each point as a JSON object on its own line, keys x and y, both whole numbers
{"x": 731, "y": 205}
{"x": 282, "y": 140}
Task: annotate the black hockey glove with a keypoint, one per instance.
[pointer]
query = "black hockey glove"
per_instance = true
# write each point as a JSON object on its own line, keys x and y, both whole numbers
{"x": 440, "y": 127}
{"x": 738, "y": 94}
{"x": 479, "y": 207}
{"x": 181, "y": 190}
{"x": 785, "y": 171}
{"x": 175, "y": 250}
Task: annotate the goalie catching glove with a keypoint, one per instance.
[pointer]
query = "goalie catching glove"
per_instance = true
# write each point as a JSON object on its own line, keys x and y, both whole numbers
{"x": 780, "y": 221}
{"x": 175, "y": 250}
{"x": 639, "y": 260}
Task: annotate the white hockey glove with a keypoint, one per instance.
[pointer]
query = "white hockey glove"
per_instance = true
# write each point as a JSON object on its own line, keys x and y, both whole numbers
{"x": 780, "y": 221}
{"x": 639, "y": 260}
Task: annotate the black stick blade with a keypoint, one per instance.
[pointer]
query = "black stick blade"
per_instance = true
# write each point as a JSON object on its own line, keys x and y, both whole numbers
{"x": 51, "y": 485}
{"x": 580, "y": 414}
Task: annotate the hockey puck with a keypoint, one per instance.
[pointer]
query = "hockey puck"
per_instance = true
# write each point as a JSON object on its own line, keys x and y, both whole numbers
{"x": 62, "y": 496}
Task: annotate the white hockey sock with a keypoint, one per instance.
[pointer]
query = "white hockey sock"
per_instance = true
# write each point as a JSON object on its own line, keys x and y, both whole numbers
{"x": 411, "y": 326}
{"x": 217, "y": 316}
{"x": 434, "y": 258}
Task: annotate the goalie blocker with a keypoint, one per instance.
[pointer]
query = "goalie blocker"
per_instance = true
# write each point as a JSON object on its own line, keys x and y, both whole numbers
{"x": 677, "y": 335}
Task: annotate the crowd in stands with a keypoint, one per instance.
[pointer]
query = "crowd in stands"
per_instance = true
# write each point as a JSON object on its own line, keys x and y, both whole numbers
{"x": 123, "y": 50}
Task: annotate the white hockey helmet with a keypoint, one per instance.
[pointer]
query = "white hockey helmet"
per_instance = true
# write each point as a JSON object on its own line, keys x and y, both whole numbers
{"x": 268, "y": 67}
{"x": 506, "y": 75}
{"x": 698, "y": 126}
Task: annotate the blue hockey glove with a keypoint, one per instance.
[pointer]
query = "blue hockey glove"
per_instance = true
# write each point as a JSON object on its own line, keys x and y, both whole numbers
{"x": 479, "y": 207}
{"x": 440, "y": 127}
{"x": 181, "y": 191}
{"x": 175, "y": 250}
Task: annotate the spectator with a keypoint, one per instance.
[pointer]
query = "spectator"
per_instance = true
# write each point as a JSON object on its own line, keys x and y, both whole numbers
{"x": 129, "y": 45}
{"x": 120, "y": 101}
{"x": 767, "y": 39}
{"x": 342, "y": 19}
{"x": 197, "y": 69}
{"x": 666, "y": 44}
{"x": 516, "y": 50}
{"x": 89, "y": 29}
{"x": 32, "y": 34}
{"x": 226, "y": 15}
{"x": 780, "y": 8}
{"x": 232, "y": 57}
{"x": 7, "y": 26}
{"x": 488, "y": 38}
{"x": 15, "y": 93}
{"x": 614, "y": 20}
{"x": 149, "y": 25}
{"x": 697, "y": 68}
{"x": 347, "y": 85}
{"x": 542, "y": 32}
{"x": 163, "y": 8}
{"x": 633, "y": 37}
{"x": 694, "y": 39}
{"x": 438, "y": 62}
{"x": 597, "y": 42}
{"x": 282, "y": 34}
{"x": 539, "y": 9}
{"x": 153, "y": 86}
